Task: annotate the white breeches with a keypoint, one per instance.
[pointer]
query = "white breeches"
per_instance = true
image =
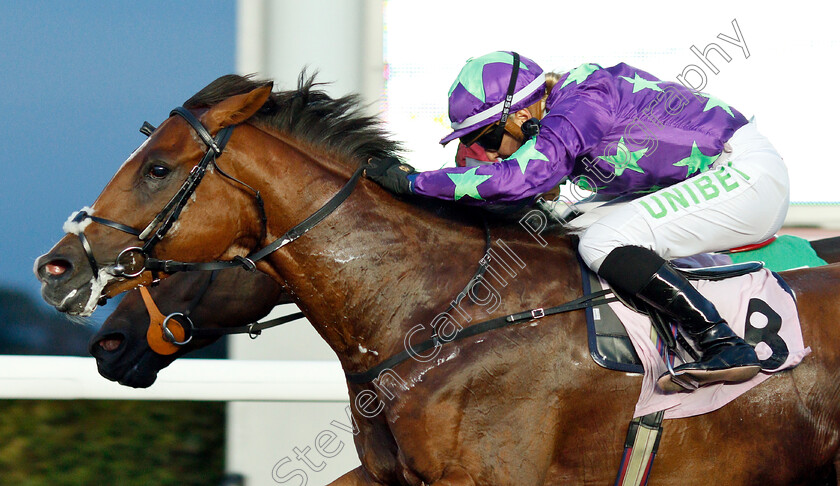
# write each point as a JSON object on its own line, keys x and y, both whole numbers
{"x": 742, "y": 199}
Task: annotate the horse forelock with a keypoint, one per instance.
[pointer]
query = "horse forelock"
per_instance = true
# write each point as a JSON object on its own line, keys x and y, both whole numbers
{"x": 308, "y": 114}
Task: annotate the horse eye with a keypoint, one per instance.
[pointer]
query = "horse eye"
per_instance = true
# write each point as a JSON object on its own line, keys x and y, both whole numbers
{"x": 158, "y": 171}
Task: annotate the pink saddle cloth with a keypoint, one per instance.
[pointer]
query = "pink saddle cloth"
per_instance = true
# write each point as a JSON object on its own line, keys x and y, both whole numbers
{"x": 755, "y": 304}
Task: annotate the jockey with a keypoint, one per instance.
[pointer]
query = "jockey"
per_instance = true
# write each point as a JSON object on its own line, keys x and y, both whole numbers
{"x": 686, "y": 173}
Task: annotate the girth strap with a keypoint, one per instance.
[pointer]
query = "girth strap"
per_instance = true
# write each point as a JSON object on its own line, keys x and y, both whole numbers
{"x": 640, "y": 447}
{"x": 589, "y": 300}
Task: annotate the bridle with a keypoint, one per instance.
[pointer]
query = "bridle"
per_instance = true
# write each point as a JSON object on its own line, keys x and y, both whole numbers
{"x": 167, "y": 334}
{"x": 163, "y": 221}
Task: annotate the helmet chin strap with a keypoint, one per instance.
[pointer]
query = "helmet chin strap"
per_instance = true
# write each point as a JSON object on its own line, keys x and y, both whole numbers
{"x": 526, "y": 131}
{"x": 514, "y": 130}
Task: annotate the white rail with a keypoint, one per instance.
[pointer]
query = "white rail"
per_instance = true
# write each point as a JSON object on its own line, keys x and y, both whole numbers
{"x": 68, "y": 378}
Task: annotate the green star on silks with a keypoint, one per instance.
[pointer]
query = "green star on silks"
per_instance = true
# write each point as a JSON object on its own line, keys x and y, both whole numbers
{"x": 713, "y": 102}
{"x": 649, "y": 190}
{"x": 639, "y": 83}
{"x": 619, "y": 160}
{"x": 697, "y": 161}
{"x": 472, "y": 75}
{"x": 466, "y": 183}
{"x": 526, "y": 153}
{"x": 585, "y": 183}
{"x": 579, "y": 74}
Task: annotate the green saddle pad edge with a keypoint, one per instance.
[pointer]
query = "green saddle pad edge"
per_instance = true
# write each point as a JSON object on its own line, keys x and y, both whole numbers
{"x": 785, "y": 253}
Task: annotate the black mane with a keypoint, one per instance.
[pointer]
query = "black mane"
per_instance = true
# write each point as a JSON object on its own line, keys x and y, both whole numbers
{"x": 310, "y": 115}
{"x": 337, "y": 126}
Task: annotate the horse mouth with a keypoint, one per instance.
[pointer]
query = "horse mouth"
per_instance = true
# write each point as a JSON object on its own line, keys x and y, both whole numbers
{"x": 110, "y": 353}
{"x": 76, "y": 298}
{"x": 138, "y": 376}
{"x": 68, "y": 285}
{"x": 69, "y": 301}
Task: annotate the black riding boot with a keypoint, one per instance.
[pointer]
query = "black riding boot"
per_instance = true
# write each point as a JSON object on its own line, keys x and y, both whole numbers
{"x": 725, "y": 356}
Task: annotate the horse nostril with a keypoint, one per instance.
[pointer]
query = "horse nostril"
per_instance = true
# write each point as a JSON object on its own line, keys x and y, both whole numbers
{"x": 56, "y": 268}
{"x": 110, "y": 344}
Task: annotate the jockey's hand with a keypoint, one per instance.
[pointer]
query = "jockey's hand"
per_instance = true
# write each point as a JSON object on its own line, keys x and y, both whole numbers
{"x": 391, "y": 174}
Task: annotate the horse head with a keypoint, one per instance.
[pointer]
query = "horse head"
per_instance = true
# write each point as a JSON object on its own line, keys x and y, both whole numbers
{"x": 234, "y": 297}
{"x": 94, "y": 258}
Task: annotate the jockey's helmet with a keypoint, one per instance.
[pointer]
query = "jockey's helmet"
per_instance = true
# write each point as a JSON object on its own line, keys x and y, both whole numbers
{"x": 477, "y": 98}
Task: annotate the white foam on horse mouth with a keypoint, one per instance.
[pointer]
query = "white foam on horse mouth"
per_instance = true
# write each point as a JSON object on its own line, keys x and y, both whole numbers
{"x": 69, "y": 295}
{"x": 97, "y": 283}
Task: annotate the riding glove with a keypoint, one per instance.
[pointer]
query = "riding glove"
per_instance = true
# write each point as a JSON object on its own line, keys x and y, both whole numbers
{"x": 391, "y": 174}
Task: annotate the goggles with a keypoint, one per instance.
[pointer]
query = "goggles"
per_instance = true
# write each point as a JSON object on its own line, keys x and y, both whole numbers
{"x": 490, "y": 137}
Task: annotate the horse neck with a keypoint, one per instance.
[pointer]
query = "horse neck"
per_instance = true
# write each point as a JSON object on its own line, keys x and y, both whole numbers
{"x": 380, "y": 267}
{"x": 371, "y": 270}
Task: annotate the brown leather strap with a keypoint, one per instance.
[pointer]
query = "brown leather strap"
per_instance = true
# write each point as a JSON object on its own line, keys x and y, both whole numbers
{"x": 154, "y": 335}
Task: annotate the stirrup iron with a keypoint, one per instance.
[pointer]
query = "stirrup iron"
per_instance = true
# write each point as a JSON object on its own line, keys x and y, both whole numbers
{"x": 682, "y": 380}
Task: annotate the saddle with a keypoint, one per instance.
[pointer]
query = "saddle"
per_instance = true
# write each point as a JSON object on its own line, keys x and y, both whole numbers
{"x": 611, "y": 347}
{"x": 609, "y": 344}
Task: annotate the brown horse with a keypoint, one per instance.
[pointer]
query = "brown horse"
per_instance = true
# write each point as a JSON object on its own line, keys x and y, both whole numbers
{"x": 521, "y": 405}
{"x": 235, "y": 298}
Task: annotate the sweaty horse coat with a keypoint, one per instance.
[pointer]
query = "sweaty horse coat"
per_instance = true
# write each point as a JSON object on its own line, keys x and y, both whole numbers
{"x": 523, "y": 405}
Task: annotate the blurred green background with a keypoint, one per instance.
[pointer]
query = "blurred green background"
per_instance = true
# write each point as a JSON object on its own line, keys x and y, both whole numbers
{"x": 125, "y": 443}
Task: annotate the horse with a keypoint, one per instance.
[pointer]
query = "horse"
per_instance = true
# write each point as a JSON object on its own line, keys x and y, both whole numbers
{"x": 521, "y": 404}
{"x": 233, "y": 299}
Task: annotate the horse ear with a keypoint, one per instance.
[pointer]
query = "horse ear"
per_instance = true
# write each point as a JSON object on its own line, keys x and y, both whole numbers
{"x": 237, "y": 109}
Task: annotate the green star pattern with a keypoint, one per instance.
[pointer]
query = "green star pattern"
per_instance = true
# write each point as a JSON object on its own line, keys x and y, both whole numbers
{"x": 697, "y": 161}
{"x": 649, "y": 190}
{"x": 622, "y": 163}
{"x": 640, "y": 83}
{"x": 713, "y": 102}
{"x": 472, "y": 74}
{"x": 579, "y": 74}
{"x": 585, "y": 183}
{"x": 466, "y": 184}
{"x": 526, "y": 153}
